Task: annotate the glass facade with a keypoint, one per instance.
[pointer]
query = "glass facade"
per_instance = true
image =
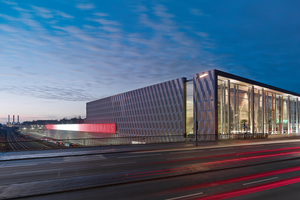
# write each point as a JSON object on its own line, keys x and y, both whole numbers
{"x": 247, "y": 108}
{"x": 189, "y": 108}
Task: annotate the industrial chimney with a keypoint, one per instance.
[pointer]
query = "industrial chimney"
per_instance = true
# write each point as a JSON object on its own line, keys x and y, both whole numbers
{"x": 18, "y": 119}
{"x": 13, "y": 119}
{"x": 8, "y": 119}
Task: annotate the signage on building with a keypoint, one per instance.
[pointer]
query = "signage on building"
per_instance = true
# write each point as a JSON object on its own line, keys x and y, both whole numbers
{"x": 95, "y": 128}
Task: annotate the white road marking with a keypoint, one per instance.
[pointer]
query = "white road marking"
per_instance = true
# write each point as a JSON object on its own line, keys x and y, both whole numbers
{"x": 186, "y": 151}
{"x": 81, "y": 159}
{"x": 140, "y": 155}
{"x": 190, "y": 195}
{"x": 24, "y": 165}
{"x": 84, "y": 158}
{"x": 49, "y": 170}
{"x": 57, "y": 162}
{"x": 260, "y": 181}
{"x": 118, "y": 164}
{"x": 179, "y": 158}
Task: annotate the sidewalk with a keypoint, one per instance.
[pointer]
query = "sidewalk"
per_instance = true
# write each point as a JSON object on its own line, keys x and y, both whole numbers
{"x": 22, "y": 155}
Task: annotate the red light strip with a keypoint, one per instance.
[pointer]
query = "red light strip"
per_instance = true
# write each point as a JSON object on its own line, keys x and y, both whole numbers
{"x": 95, "y": 128}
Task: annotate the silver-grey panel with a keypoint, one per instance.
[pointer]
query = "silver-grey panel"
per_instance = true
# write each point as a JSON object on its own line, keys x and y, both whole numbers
{"x": 204, "y": 88}
{"x": 151, "y": 111}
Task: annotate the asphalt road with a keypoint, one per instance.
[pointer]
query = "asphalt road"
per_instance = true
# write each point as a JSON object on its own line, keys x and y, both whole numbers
{"x": 257, "y": 171}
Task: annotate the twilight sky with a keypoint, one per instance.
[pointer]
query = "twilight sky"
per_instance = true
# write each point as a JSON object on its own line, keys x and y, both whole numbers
{"x": 57, "y": 55}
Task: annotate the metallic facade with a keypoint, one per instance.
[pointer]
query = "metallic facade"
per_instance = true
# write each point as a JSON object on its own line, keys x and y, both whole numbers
{"x": 205, "y": 104}
{"x": 155, "y": 110}
{"x": 211, "y": 105}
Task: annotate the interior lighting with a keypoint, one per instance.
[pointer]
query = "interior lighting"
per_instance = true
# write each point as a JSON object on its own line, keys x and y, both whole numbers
{"x": 203, "y": 75}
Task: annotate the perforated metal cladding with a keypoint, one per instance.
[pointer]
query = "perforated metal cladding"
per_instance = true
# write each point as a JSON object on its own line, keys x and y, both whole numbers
{"x": 151, "y": 111}
{"x": 204, "y": 88}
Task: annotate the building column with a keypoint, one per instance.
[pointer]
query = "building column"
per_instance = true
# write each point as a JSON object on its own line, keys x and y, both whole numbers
{"x": 267, "y": 113}
{"x": 238, "y": 108}
{"x": 297, "y": 118}
{"x": 228, "y": 106}
{"x": 275, "y": 119}
{"x": 252, "y": 109}
{"x": 288, "y": 113}
{"x": 234, "y": 109}
{"x": 222, "y": 106}
{"x": 263, "y": 111}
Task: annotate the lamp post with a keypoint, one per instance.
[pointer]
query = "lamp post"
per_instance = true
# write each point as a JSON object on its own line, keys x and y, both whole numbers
{"x": 196, "y": 117}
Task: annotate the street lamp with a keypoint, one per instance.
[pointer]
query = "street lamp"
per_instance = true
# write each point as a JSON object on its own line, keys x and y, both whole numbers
{"x": 201, "y": 76}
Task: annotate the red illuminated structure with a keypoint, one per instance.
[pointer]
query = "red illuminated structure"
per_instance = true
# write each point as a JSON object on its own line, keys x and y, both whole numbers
{"x": 94, "y": 128}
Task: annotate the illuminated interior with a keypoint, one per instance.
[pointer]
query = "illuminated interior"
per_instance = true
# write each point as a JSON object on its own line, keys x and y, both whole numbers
{"x": 254, "y": 109}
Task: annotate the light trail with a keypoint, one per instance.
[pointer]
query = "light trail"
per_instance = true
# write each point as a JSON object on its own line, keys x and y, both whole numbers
{"x": 198, "y": 167}
{"x": 224, "y": 155}
{"x": 253, "y": 189}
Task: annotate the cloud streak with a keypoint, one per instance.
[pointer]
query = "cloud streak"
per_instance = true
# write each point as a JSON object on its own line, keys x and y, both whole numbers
{"x": 85, "y": 6}
{"x": 77, "y": 63}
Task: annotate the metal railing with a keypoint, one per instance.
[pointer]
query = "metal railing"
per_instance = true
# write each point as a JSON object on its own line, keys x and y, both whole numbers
{"x": 32, "y": 143}
{"x": 242, "y": 136}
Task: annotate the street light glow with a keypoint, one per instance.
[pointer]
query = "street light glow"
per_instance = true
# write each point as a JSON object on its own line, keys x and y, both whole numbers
{"x": 203, "y": 75}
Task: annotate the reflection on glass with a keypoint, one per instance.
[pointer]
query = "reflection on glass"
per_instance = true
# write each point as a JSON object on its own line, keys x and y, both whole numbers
{"x": 189, "y": 108}
{"x": 273, "y": 112}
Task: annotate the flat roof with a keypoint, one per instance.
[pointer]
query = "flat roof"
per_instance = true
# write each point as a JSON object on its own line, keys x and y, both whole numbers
{"x": 252, "y": 82}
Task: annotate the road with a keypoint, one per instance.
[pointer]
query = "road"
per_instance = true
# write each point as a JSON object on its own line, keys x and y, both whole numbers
{"x": 247, "y": 172}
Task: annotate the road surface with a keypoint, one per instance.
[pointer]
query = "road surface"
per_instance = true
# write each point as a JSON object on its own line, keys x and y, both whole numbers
{"x": 246, "y": 172}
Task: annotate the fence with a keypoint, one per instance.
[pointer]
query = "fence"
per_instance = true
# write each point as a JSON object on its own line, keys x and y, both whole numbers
{"x": 154, "y": 139}
{"x": 32, "y": 143}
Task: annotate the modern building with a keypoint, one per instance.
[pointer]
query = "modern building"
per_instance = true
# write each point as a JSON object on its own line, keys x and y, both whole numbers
{"x": 211, "y": 104}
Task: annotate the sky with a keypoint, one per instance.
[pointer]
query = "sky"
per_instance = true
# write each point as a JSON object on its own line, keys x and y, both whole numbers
{"x": 57, "y": 55}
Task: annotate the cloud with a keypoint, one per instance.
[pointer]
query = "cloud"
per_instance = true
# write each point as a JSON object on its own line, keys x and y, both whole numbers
{"x": 43, "y": 12}
{"x": 9, "y": 2}
{"x": 86, "y": 62}
{"x": 203, "y": 34}
{"x": 196, "y": 12}
{"x": 64, "y": 15}
{"x": 161, "y": 11}
{"x": 8, "y": 28}
{"x": 101, "y": 14}
{"x": 85, "y": 6}
{"x": 47, "y": 13}
{"x": 141, "y": 8}
{"x": 106, "y": 22}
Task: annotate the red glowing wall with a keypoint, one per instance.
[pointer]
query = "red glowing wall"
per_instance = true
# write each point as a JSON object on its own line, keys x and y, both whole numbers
{"x": 95, "y": 128}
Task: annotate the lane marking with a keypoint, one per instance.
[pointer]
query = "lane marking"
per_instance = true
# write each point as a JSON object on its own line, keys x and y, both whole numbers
{"x": 186, "y": 151}
{"x": 178, "y": 158}
{"x": 260, "y": 181}
{"x": 118, "y": 164}
{"x": 190, "y": 195}
{"x": 139, "y": 156}
{"x": 17, "y": 165}
{"x": 81, "y": 159}
{"x": 84, "y": 158}
{"x": 214, "y": 149}
{"x": 49, "y": 170}
{"x": 57, "y": 162}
